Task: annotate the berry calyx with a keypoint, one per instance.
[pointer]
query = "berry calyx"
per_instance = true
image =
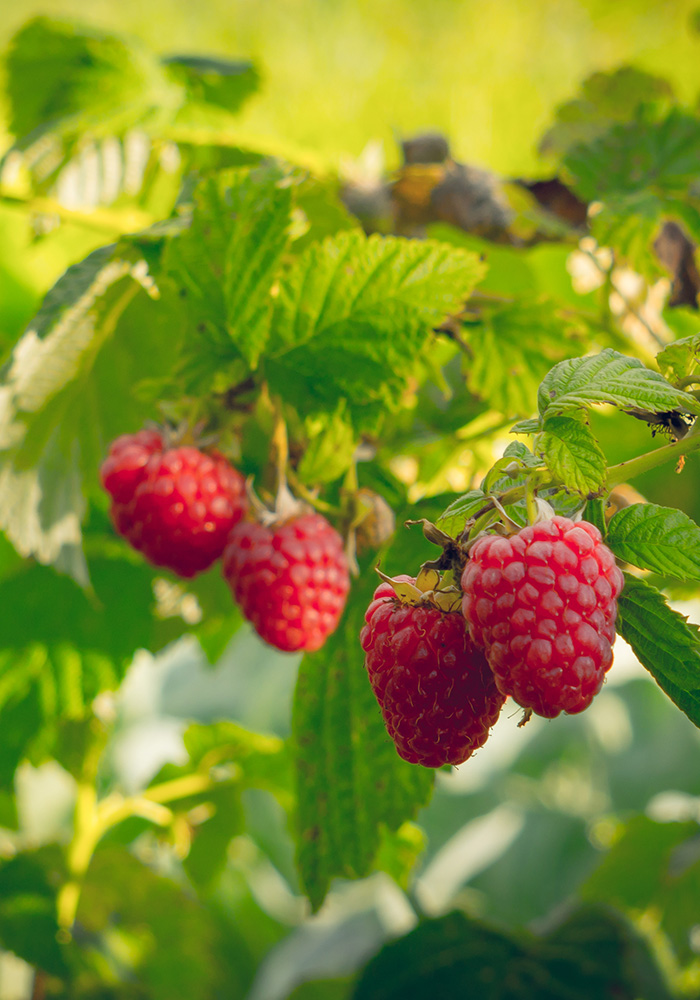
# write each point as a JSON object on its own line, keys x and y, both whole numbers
{"x": 542, "y": 603}
{"x": 436, "y": 692}
{"x": 177, "y": 506}
{"x": 290, "y": 579}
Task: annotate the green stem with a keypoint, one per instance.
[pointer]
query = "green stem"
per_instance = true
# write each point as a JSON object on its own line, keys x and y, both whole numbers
{"x": 530, "y": 499}
{"x": 644, "y": 463}
{"x": 94, "y": 819}
{"x": 104, "y": 220}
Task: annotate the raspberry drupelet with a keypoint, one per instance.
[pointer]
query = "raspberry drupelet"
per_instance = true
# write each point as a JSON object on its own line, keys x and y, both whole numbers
{"x": 175, "y": 505}
{"x": 290, "y": 580}
{"x": 542, "y": 603}
{"x": 437, "y": 695}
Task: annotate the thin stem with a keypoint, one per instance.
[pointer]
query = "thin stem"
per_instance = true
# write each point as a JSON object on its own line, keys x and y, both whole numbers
{"x": 611, "y": 286}
{"x": 104, "y": 220}
{"x": 644, "y": 463}
{"x": 280, "y": 446}
{"x": 530, "y": 499}
{"x": 310, "y": 497}
{"x": 39, "y": 985}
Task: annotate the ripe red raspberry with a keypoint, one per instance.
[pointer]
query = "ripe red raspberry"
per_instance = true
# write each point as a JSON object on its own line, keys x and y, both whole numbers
{"x": 291, "y": 581}
{"x": 434, "y": 687}
{"x": 543, "y": 605}
{"x": 176, "y": 506}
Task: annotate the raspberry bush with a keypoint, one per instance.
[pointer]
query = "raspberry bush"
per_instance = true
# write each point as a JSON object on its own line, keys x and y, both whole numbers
{"x": 229, "y": 414}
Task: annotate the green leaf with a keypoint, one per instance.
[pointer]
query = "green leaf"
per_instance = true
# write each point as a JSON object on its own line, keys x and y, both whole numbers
{"x": 573, "y": 455}
{"x": 664, "y": 642}
{"x": 331, "y": 447}
{"x": 354, "y": 313}
{"x": 319, "y": 212}
{"x": 633, "y": 157}
{"x": 662, "y": 539}
{"x": 606, "y": 99}
{"x": 28, "y": 924}
{"x": 642, "y": 175}
{"x": 90, "y": 110}
{"x": 122, "y": 894}
{"x": 224, "y": 758}
{"x": 609, "y": 377}
{"x": 513, "y": 348}
{"x": 594, "y": 513}
{"x": 224, "y": 265}
{"x": 350, "y": 781}
{"x": 454, "y": 518}
{"x": 67, "y": 391}
{"x": 530, "y": 426}
{"x": 226, "y": 83}
{"x": 653, "y": 866}
{"x": 595, "y": 952}
{"x": 681, "y": 359}
{"x": 399, "y": 852}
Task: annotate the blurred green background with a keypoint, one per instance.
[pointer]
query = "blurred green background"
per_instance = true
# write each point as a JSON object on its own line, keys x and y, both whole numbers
{"x": 338, "y": 73}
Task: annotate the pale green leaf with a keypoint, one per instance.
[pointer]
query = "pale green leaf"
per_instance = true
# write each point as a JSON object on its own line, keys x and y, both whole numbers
{"x": 573, "y": 455}
{"x": 45, "y": 399}
{"x": 92, "y": 111}
{"x": 681, "y": 359}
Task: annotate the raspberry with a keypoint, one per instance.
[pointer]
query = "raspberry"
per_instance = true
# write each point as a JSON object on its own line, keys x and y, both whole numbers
{"x": 291, "y": 581}
{"x": 176, "y": 506}
{"x": 436, "y": 692}
{"x": 543, "y": 605}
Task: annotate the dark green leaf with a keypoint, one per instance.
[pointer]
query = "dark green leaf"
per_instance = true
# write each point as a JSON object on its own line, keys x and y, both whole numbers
{"x": 661, "y": 539}
{"x": 593, "y": 953}
{"x": 351, "y": 781}
{"x": 640, "y": 176}
{"x": 123, "y": 895}
{"x": 609, "y": 377}
{"x": 28, "y": 924}
{"x": 594, "y": 513}
{"x": 664, "y": 642}
{"x": 573, "y": 455}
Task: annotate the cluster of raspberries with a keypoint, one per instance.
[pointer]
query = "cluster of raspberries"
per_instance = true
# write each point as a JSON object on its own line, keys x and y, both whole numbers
{"x": 184, "y": 509}
{"x": 537, "y": 622}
